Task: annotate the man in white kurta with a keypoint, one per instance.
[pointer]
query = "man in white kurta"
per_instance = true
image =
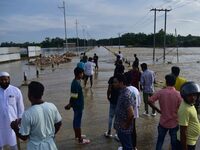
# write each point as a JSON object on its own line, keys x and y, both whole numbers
{"x": 11, "y": 108}
{"x": 38, "y": 122}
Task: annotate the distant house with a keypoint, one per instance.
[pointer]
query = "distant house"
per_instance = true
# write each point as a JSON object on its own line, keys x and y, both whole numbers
{"x": 34, "y": 51}
{"x": 9, "y": 54}
{"x": 70, "y": 45}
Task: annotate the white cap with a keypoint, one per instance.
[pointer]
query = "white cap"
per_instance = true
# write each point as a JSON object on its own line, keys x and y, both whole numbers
{"x": 4, "y": 74}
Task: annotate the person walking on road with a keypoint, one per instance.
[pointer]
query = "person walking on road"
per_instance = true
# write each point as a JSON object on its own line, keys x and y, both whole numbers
{"x": 112, "y": 96}
{"x": 119, "y": 68}
{"x": 11, "y": 108}
{"x": 136, "y": 61}
{"x": 147, "y": 81}
{"x": 95, "y": 59}
{"x": 89, "y": 71}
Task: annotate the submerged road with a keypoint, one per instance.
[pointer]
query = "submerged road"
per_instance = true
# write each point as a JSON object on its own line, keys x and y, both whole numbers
{"x": 95, "y": 116}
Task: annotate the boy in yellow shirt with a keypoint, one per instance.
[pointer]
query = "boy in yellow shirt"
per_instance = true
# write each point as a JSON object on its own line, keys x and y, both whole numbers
{"x": 189, "y": 131}
{"x": 175, "y": 70}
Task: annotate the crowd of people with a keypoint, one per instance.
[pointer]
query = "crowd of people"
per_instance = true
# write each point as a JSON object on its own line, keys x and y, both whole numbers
{"x": 177, "y": 101}
{"x": 177, "y": 106}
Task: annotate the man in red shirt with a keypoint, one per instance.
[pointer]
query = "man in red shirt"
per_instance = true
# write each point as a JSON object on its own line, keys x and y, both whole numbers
{"x": 169, "y": 101}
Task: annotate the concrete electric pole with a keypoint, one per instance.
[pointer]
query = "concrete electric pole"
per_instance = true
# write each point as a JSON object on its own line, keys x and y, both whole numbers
{"x": 63, "y": 7}
{"x": 164, "y": 48}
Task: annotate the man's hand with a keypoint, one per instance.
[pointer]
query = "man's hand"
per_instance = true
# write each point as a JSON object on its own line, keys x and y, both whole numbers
{"x": 15, "y": 124}
{"x": 67, "y": 107}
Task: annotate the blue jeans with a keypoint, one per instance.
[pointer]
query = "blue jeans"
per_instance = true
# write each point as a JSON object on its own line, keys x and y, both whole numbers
{"x": 111, "y": 115}
{"x": 77, "y": 118}
{"x": 126, "y": 140}
{"x": 161, "y": 136}
{"x": 190, "y": 147}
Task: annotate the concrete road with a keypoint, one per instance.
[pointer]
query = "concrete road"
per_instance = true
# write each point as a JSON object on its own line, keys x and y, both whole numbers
{"x": 95, "y": 117}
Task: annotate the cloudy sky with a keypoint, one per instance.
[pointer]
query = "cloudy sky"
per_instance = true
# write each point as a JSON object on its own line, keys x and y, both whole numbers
{"x": 34, "y": 20}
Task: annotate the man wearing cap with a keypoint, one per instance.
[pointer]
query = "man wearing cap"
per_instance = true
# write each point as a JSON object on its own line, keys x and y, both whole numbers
{"x": 11, "y": 108}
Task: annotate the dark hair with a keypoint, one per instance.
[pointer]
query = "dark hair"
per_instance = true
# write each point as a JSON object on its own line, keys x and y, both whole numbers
{"x": 90, "y": 59}
{"x": 144, "y": 66}
{"x": 121, "y": 78}
{"x": 118, "y": 57}
{"x": 78, "y": 71}
{"x": 128, "y": 77}
{"x": 36, "y": 89}
{"x": 170, "y": 79}
{"x": 175, "y": 70}
{"x": 135, "y": 64}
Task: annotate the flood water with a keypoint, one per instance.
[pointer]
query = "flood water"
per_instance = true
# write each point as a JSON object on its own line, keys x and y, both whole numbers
{"x": 95, "y": 116}
{"x": 17, "y": 69}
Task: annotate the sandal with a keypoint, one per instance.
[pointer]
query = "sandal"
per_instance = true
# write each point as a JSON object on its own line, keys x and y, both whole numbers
{"x": 84, "y": 141}
{"x": 83, "y": 136}
{"x": 107, "y": 135}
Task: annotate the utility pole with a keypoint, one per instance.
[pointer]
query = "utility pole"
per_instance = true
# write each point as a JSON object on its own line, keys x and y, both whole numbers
{"x": 154, "y": 36}
{"x": 165, "y": 10}
{"x": 63, "y": 7}
{"x": 77, "y": 42}
{"x": 119, "y": 40}
{"x": 84, "y": 37}
{"x": 176, "y": 46}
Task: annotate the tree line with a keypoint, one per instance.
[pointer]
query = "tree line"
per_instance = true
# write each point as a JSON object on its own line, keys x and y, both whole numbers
{"x": 127, "y": 39}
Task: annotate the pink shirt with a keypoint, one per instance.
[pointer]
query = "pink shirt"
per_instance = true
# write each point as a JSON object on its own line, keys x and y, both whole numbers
{"x": 169, "y": 101}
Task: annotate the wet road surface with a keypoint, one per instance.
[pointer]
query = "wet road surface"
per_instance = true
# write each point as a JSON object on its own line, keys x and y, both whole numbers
{"x": 95, "y": 116}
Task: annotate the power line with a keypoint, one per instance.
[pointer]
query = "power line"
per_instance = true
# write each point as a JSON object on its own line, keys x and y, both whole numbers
{"x": 155, "y": 10}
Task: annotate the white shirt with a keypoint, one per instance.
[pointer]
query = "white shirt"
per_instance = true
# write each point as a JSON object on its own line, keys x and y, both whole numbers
{"x": 38, "y": 122}
{"x": 89, "y": 68}
{"x": 11, "y": 108}
{"x": 138, "y": 100}
{"x": 121, "y": 56}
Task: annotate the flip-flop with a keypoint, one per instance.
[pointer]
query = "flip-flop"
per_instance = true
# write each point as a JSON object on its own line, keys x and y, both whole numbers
{"x": 107, "y": 135}
{"x": 83, "y": 136}
{"x": 84, "y": 141}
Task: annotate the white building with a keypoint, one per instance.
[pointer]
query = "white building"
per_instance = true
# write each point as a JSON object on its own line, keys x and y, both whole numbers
{"x": 34, "y": 51}
{"x": 9, "y": 54}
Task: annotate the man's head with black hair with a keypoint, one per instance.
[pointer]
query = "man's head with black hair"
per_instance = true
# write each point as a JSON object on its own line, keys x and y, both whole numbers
{"x": 170, "y": 80}
{"x": 175, "y": 70}
{"x": 78, "y": 72}
{"x": 143, "y": 66}
{"x": 35, "y": 91}
{"x": 119, "y": 81}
